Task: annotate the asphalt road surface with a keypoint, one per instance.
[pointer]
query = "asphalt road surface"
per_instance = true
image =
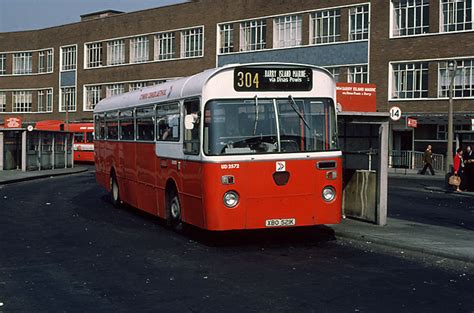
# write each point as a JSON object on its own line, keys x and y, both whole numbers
{"x": 64, "y": 248}
{"x": 422, "y": 199}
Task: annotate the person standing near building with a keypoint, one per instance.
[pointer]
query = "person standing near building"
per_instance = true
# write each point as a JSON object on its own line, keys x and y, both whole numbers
{"x": 458, "y": 167}
{"x": 468, "y": 158}
{"x": 427, "y": 159}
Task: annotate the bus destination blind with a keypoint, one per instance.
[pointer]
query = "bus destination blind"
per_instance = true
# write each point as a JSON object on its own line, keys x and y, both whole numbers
{"x": 272, "y": 79}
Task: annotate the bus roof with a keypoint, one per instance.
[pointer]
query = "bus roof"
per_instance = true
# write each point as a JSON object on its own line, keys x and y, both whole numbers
{"x": 185, "y": 87}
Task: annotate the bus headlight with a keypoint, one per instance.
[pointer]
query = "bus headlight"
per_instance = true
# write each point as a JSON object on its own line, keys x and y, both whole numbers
{"x": 231, "y": 199}
{"x": 329, "y": 193}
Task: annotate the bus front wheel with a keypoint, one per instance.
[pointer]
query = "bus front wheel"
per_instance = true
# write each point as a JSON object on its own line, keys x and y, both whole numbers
{"x": 174, "y": 211}
{"x": 115, "y": 191}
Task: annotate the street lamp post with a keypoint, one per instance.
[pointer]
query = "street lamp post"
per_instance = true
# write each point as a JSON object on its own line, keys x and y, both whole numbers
{"x": 449, "y": 153}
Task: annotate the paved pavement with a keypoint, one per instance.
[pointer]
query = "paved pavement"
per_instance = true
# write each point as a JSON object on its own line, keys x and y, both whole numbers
{"x": 14, "y": 176}
{"x": 451, "y": 243}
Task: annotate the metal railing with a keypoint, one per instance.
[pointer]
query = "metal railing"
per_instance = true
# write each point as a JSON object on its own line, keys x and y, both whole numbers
{"x": 414, "y": 160}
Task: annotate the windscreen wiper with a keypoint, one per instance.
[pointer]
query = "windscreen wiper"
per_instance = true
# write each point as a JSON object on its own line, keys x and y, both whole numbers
{"x": 256, "y": 115}
{"x": 294, "y": 106}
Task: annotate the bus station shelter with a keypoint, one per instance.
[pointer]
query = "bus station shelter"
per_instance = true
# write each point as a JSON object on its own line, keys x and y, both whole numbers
{"x": 28, "y": 149}
{"x": 363, "y": 138}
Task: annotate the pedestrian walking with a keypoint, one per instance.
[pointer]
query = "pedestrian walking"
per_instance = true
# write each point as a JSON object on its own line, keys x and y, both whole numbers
{"x": 427, "y": 160}
{"x": 468, "y": 158}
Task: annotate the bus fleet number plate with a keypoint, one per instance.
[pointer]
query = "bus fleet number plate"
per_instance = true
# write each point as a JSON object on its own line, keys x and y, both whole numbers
{"x": 280, "y": 222}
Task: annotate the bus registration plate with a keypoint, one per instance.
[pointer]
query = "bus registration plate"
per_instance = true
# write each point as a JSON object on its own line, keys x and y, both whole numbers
{"x": 280, "y": 222}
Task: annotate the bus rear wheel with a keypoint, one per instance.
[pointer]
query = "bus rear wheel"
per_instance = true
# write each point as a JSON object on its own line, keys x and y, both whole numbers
{"x": 174, "y": 211}
{"x": 114, "y": 191}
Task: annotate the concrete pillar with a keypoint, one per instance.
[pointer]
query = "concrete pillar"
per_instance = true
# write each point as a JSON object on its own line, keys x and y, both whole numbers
{"x": 23, "y": 150}
{"x": 381, "y": 216}
{"x": 1, "y": 151}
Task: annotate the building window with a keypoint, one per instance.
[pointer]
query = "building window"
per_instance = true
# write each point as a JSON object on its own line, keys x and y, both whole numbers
{"x": 192, "y": 43}
{"x": 358, "y": 74}
{"x": 94, "y": 55}
{"x": 136, "y": 86}
{"x": 335, "y": 72}
{"x": 116, "y": 52}
{"x": 22, "y": 63}
{"x": 359, "y": 23}
{"x": 45, "y": 61}
{"x": 456, "y": 15}
{"x": 93, "y": 96}
{"x": 287, "y": 31}
{"x": 68, "y": 55}
{"x": 463, "y": 84}
{"x": 22, "y": 101}
{"x": 165, "y": 46}
{"x": 253, "y": 35}
{"x": 139, "y": 49}
{"x": 115, "y": 89}
{"x": 410, "y": 81}
{"x": 410, "y": 17}
{"x": 45, "y": 100}
{"x": 3, "y": 101}
{"x": 3, "y": 64}
{"x": 442, "y": 132}
{"x": 226, "y": 33}
{"x": 325, "y": 26}
{"x": 68, "y": 99}
{"x": 49, "y": 61}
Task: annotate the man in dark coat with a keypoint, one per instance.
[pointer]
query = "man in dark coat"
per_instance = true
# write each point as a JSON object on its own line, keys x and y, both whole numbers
{"x": 468, "y": 176}
{"x": 427, "y": 159}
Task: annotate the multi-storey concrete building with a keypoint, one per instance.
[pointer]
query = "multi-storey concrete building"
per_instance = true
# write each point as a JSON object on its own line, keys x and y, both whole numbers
{"x": 400, "y": 46}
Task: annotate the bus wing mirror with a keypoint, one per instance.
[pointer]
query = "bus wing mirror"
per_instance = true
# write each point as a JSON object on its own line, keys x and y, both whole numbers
{"x": 189, "y": 122}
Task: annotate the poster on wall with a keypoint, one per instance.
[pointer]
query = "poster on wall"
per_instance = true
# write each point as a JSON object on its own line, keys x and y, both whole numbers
{"x": 353, "y": 97}
{"x": 12, "y": 122}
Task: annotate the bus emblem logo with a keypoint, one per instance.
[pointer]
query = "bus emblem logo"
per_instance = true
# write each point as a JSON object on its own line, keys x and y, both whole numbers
{"x": 280, "y": 166}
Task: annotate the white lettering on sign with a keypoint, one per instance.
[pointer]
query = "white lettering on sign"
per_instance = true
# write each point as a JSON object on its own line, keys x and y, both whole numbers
{"x": 280, "y": 166}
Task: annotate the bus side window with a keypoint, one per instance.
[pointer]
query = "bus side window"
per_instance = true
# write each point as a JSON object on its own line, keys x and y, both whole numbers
{"x": 167, "y": 116}
{"x": 145, "y": 124}
{"x": 89, "y": 137}
{"x": 79, "y": 137}
{"x": 191, "y": 136}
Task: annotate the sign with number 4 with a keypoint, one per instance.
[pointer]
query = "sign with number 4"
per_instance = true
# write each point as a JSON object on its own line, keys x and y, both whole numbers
{"x": 395, "y": 113}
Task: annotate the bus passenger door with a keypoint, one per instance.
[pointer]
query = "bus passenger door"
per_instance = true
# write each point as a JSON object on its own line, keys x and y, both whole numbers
{"x": 191, "y": 167}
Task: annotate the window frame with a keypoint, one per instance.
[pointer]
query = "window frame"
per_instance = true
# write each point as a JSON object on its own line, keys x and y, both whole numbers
{"x": 190, "y": 39}
{"x": 22, "y": 63}
{"x": 253, "y": 35}
{"x": 399, "y": 22}
{"x": 419, "y": 74}
{"x": 69, "y": 58}
{"x": 359, "y": 13}
{"x": 94, "y": 55}
{"x": 226, "y": 38}
{"x": 139, "y": 49}
{"x": 92, "y": 95}
{"x": 458, "y": 26}
{"x": 291, "y": 28}
{"x": 68, "y": 94}
{"x": 114, "y": 48}
{"x": 26, "y": 103}
{"x": 165, "y": 46}
{"x": 331, "y": 19}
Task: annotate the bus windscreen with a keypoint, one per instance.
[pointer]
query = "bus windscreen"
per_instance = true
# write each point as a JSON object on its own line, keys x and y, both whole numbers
{"x": 253, "y": 126}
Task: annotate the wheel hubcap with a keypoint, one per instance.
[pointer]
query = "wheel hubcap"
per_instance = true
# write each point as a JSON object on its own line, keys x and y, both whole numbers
{"x": 114, "y": 190}
{"x": 175, "y": 209}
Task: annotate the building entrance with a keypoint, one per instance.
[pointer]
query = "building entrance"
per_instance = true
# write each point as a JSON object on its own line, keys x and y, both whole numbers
{"x": 12, "y": 150}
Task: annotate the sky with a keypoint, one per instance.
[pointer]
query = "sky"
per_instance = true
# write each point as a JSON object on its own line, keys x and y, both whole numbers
{"x": 18, "y": 15}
